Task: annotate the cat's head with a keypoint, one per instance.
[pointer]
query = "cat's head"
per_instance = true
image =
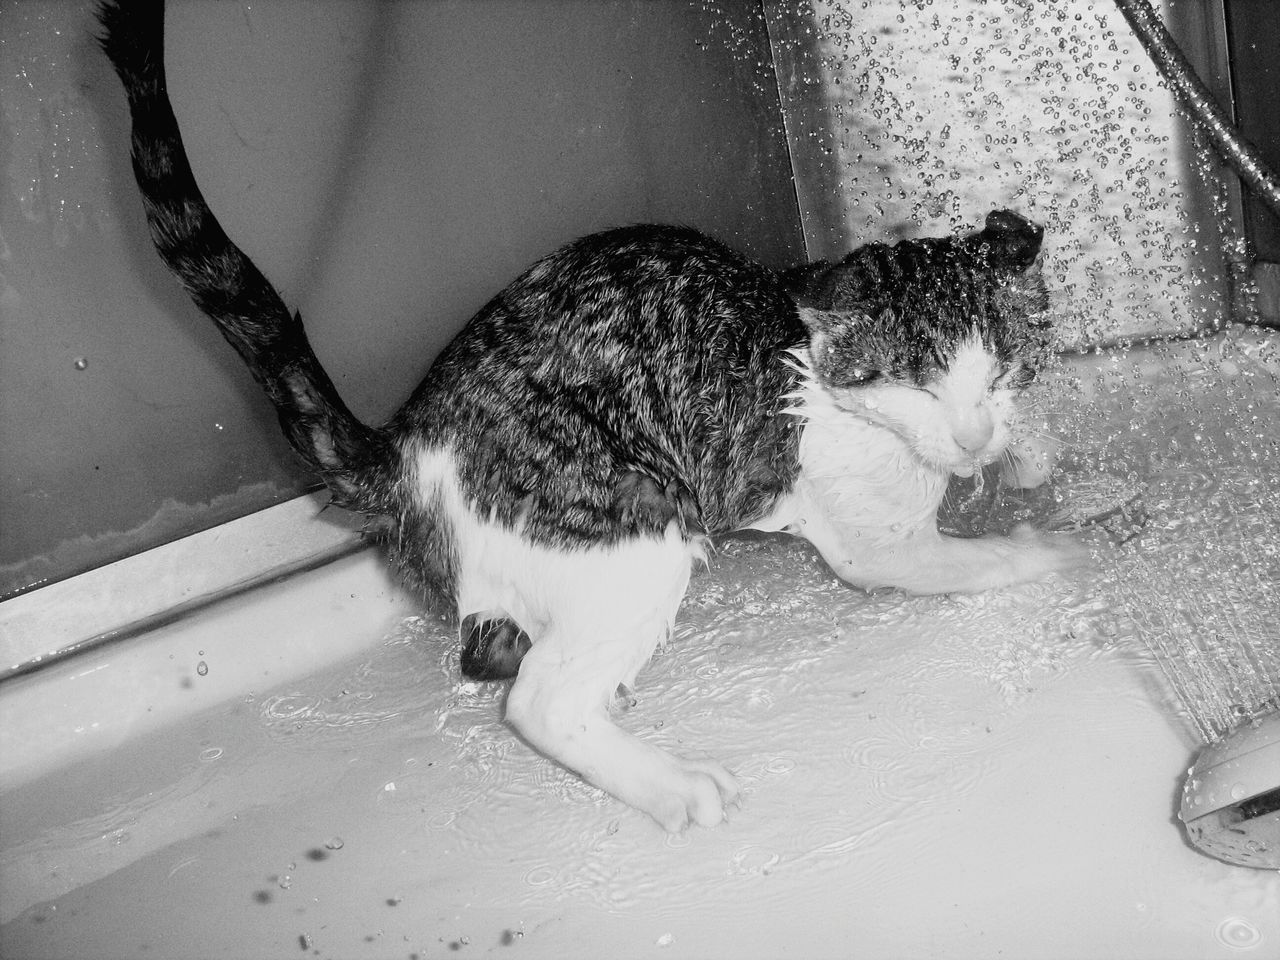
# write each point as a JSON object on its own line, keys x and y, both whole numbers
{"x": 934, "y": 338}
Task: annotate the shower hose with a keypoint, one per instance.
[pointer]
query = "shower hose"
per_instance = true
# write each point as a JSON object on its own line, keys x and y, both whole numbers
{"x": 1205, "y": 112}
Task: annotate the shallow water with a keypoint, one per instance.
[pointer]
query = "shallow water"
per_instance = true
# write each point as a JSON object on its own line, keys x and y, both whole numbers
{"x": 942, "y": 776}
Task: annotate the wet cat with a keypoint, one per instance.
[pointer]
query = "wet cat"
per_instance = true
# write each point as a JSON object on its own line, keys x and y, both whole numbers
{"x": 568, "y": 456}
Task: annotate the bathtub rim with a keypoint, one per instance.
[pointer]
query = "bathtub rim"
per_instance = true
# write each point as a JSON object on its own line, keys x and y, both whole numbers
{"x": 147, "y": 590}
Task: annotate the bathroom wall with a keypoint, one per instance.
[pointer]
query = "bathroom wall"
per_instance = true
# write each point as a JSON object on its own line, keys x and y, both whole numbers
{"x": 922, "y": 115}
{"x": 389, "y": 165}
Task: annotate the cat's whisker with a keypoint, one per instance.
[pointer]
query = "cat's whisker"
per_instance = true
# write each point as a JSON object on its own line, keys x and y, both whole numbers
{"x": 1052, "y": 440}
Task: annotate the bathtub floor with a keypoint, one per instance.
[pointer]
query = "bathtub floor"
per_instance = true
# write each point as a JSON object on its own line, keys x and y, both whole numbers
{"x": 923, "y": 777}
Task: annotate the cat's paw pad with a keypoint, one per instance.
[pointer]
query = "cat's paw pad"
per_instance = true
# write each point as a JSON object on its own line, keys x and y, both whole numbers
{"x": 697, "y": 794}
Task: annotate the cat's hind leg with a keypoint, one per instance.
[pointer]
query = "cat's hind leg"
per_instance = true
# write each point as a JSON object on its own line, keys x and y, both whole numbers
{"x": 597, "y": 636}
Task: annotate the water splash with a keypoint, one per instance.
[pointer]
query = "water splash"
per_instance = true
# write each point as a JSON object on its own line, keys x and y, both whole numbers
{"x": 1199, "y": 585}
{"x": 1215, "y": 642}
{"x": 932, "y": 113}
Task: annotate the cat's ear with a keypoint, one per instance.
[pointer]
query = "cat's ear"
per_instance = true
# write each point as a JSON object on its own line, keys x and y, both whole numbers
{"x": 1014, "y": 241}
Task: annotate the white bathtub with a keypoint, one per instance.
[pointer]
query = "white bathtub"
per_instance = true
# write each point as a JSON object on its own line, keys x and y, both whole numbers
{"x": 298, "y": 770}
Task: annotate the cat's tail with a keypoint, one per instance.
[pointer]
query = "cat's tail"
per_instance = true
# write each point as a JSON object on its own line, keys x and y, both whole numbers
{"x": 221, "y": 280}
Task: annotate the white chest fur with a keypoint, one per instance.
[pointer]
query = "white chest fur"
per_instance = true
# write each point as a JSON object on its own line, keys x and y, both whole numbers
{"x": 860, "y": 482}
{"x": 874, "y": 469}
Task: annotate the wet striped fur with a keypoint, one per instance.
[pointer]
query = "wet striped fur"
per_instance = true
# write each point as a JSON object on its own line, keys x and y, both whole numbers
{"x": 628, "y": 398}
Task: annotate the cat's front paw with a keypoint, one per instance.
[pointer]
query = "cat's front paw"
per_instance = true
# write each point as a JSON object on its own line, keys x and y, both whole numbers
{"x": 694, "y": 793}
{"x": 1040, "y": 553}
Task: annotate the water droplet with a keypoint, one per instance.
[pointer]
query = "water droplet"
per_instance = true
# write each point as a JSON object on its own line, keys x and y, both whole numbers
{"x": 202, "y": 668}
{"x": 1239, "y": 933}
{"x": 334, "y": 843}
{"x": 211, "y": 754}
{"x": 81, "y": 363}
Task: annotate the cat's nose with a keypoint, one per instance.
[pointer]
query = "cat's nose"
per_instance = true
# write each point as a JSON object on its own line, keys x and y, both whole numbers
{"x": 972, "y": 430}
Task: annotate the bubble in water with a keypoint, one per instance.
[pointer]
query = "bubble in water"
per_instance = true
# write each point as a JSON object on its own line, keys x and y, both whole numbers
{"x": 754, "y": 859}
{"x": 539, "y": 876}
{"x": 334, "y": 843}
{"x": 81, "y": 363}
{"x": 1239, "y": 933}
{"x": 212, "y": 753}
{"x": 780, "y": 765}
{"x": 202, "y": 668}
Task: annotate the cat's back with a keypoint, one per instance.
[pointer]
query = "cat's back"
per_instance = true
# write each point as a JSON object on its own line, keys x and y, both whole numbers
{"x": 639, "y": 310}
{"x": 650, "y": 348}
{"x": 650, "y": 285}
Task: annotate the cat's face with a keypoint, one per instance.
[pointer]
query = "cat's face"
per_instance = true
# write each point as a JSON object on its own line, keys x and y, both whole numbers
{"x": 934, "y": 338}
{"x": 956, "y": 414}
